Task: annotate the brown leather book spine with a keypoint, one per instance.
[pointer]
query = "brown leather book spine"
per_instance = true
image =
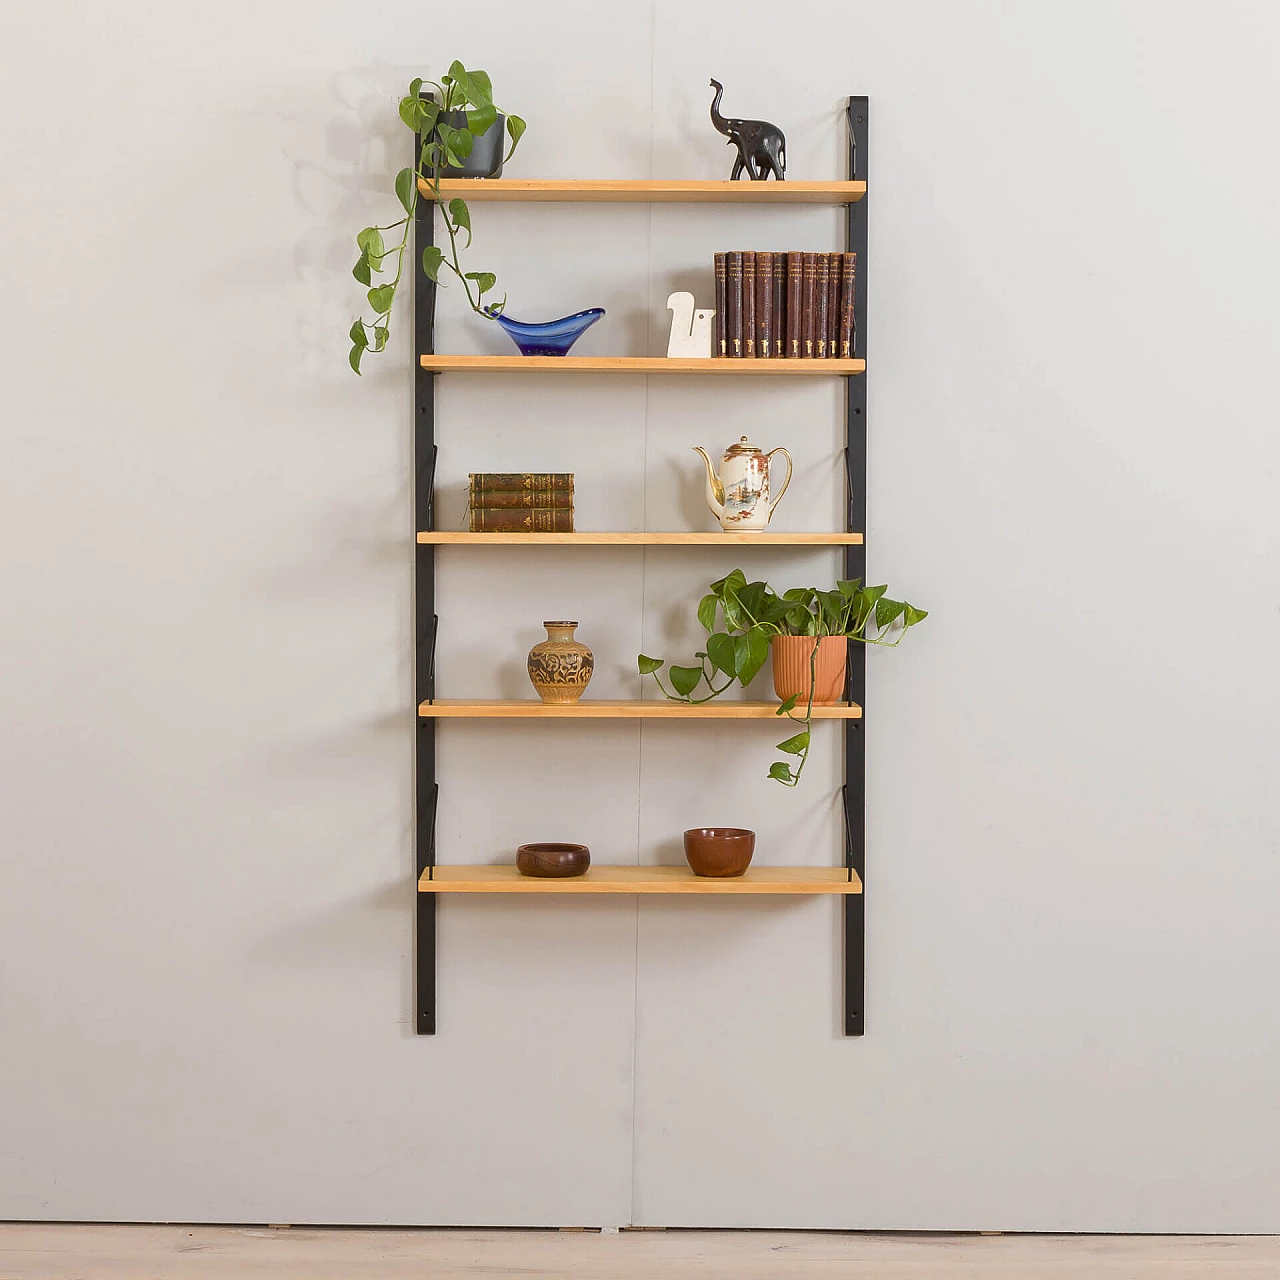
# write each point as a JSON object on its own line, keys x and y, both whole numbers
{"x": 484, "y": 483}
{"x": 848, "y": 279}
{"x": 794, "y": 313}
{"x": 779, "y": 305}
{"x": 833, "y": 304}
{"x": 808, "y": 345}
{"x": 749, "y": 303}
{"x": 733, "y": 303}
{"x": 719, "y": 345}
{"x": 764, "y": 305}
{"x": 534, "y": 520}
{"x": 820, "y": 306}
{"x": 512, "y": 501}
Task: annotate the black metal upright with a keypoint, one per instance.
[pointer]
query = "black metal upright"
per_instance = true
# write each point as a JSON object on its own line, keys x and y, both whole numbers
{"x": 855, "y": 566}
{"x": 425, "y": 620}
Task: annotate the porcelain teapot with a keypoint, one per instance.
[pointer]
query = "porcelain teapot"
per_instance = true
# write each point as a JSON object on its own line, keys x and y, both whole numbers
{"x": 739, "y": 495}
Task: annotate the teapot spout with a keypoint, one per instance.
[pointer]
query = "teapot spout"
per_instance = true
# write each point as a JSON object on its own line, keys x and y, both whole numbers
{"x": 715, "y": 490}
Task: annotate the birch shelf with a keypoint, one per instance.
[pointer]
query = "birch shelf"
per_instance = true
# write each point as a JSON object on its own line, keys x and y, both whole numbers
{"x": 645, "y": 191}
{"x": 757, "y": 880}
{"x": 713, "y": 366}
{"x": 644, "y": 538}
{"x": 624, "y": 709}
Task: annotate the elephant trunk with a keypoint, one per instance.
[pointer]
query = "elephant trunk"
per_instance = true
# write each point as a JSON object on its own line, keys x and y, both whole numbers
{"x": 720, "y": 123}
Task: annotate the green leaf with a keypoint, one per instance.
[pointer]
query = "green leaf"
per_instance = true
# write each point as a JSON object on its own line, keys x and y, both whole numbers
{"x": 797, "y": 745}
{"x": 849, "y": 588}
{"x": 480, "y": 88}
{"x": 432, "y": 257}
{"x": 461, "y": 216}
{"x": 731, "y": 581}
{"x": 406, "y": 189}
{"x": 781, "y": 771}
{"x": 480, "y": 121}
{"x": 648, "y": 665}
{"x": 415, "y": 86}
{"x": 430, "y": 114}
{"x": 379, "y": 336}
{"x": 757, "y": 655}
{"x": 707, "y": 608}
{"x": 362, "y": 272}
{"x": 684, "y": 680}
{"x": 786, "y": 707}
{"x": 912, "y": 615}
{"x": 888, "y": 611}
{"x": 720, "y": 653}
{"x": 357, "y": 334}
{"x": 485, "y": 280}
{"x": 515, "y": 130}
{"x": 370, "y": 242}
{"x": 381, "y": 297}
{"x": 461, "y": 142}
{"x": 353, "y": 357}
{"x": 411, "y": 112}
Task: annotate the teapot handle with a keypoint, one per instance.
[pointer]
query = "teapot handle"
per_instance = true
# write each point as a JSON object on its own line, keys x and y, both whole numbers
{"x": 774, "y": 499}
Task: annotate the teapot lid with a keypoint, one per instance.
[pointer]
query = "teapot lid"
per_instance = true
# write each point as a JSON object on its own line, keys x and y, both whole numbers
{"x": 736, "y": 450}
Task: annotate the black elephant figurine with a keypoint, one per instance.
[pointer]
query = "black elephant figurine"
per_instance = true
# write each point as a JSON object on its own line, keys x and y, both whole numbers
{"x": 762, "y": 149}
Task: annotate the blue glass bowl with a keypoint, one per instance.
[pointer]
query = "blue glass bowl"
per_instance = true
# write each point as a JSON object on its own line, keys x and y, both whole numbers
{"x": 553, "y": 337}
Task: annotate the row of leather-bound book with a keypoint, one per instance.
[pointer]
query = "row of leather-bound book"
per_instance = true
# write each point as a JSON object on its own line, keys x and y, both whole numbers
{"x": 796, "y": 306}
{"x": 521, "y": 502}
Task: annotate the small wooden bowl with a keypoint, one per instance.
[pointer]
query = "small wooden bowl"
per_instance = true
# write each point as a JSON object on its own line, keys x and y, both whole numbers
{"x": 719, "y": 851}
{"x": 552, "y": 860}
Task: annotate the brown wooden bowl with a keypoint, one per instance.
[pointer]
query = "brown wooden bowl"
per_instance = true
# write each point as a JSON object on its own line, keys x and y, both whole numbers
{"x": 719, "y": 851}
{"x": 552, "y": 860}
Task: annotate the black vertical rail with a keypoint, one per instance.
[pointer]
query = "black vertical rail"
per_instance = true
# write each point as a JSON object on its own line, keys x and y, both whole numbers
{"x": 424, "y": 613}
{"x": 855, "y": 566}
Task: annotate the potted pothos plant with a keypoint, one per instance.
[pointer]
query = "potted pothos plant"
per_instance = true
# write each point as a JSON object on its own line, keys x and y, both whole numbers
{"x": 449, "y": 125}
{"x": 806, "y": 629}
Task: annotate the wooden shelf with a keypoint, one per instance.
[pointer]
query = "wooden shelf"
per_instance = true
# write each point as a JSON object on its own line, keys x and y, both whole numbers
{"x": 644, "y": 538}
{"x": 647, "y": 191}
{"x": 757, "y": 880}
{"x": 713, "y": 366}
{"x": 624, "y": 709}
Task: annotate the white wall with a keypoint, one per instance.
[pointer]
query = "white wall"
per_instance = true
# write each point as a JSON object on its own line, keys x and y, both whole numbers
{"x": 206, "y": 894}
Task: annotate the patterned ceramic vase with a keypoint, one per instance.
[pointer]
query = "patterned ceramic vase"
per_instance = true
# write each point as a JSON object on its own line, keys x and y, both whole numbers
{"x": 560, "y": 666}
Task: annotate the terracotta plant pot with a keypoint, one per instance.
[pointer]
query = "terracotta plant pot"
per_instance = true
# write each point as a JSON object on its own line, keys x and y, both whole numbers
{"x": 560, "y": 666}
{"x": 719, "y": 851}
{"x": 552, "y": 861}
{"x": 791, "y": 656}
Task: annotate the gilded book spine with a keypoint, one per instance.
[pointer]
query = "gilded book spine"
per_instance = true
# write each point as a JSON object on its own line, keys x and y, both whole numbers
{"x": 522, "y": 500}
{"x": 820, "y": 286}
{"x": 833, "y": 305}
{"x": 535, "y": 520}
{"x": 795, "y": 328}
{"x": 483, "y": 483}
{"x": 808, "y": 345}
{"x": 848, "y": 278}
{"x": 749, "y": 303}
{"x": 733, "y": 302}
{"x": 779, "y": 305}
{"x": 720, "y": 346}
{"x": 764, "y": 305}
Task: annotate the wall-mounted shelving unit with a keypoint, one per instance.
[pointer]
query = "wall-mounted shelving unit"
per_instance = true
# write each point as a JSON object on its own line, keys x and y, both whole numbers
{"x": 845, "y": 881}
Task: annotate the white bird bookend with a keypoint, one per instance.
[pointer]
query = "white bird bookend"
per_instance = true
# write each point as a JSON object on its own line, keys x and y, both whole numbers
{"x": 690, "y": 329}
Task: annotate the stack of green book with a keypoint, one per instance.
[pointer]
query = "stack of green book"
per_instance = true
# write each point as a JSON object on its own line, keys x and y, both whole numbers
{"x": 521, "y": 502}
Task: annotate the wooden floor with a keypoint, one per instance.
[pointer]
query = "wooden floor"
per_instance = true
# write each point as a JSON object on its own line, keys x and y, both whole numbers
{"x": 60, "y": 1252}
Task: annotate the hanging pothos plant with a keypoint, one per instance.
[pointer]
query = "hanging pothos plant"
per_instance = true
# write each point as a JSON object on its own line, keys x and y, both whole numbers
{"x": 444, "y": 144}
{"x": 753, "y": 614}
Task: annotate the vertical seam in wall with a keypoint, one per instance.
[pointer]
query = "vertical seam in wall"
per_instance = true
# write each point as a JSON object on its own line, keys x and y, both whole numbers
{"x": 644, "y": 565}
